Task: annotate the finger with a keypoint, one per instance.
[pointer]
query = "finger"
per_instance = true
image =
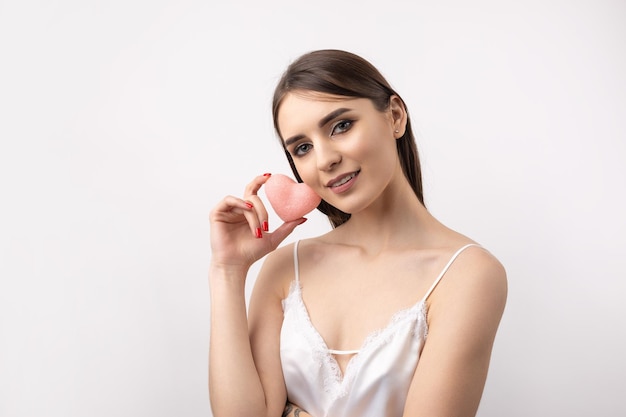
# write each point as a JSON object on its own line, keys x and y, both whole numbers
{"x": 253, "y": 187}
{"x": 231, "y": 208}
{"x": 261, "y": 211}
{"x": 230, "y": 204}
{"x": 255, "y": 224}
{"x": 262, "y": 224}
{"x": 247, "y": 209}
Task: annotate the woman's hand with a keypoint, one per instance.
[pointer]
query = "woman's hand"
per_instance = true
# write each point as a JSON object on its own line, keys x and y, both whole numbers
{"x": 240, "y": 230}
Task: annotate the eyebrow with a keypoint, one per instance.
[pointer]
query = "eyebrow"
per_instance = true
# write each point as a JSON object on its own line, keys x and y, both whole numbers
{"x": 323, "y": 121}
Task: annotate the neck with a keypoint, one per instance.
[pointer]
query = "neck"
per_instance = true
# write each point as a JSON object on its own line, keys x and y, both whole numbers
{"x": 396, "y": 220}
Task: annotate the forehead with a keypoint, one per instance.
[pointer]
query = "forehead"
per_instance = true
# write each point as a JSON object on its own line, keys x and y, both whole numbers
{"x": 301, "y": 109}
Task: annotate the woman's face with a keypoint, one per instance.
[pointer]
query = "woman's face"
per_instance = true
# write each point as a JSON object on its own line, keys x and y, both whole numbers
{"x": 343, "y": 148}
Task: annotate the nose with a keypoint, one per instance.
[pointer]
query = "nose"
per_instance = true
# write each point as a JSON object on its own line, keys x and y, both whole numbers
{"x": 327, "y": 156}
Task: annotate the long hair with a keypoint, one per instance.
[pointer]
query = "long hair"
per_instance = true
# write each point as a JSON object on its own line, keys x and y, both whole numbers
{"x": 345, "y": 74}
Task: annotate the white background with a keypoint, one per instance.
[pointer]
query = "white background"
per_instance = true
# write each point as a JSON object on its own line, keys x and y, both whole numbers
{"x": 123, "y": 122}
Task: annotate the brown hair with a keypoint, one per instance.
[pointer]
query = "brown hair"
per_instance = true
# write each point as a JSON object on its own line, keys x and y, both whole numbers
{"x": 345, "y": 74}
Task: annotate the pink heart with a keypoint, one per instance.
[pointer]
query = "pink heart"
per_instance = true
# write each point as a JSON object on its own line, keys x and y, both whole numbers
{"x": 290, "y": 200}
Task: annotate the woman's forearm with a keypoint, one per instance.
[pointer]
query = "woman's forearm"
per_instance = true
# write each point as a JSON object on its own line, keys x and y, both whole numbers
{"x": 234, "y": 384}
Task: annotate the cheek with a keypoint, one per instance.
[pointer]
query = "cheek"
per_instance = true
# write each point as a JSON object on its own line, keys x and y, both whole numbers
{"x": 306, "y": 170}
{"x": 377, "y": 149}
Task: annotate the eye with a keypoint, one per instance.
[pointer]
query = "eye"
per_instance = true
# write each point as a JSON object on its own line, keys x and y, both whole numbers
{"x": 341, "y": 127}
{"x": 302, "y": 149}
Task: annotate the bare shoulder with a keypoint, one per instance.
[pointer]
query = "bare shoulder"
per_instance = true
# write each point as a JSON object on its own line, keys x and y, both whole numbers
{"x": 485, "y": 271}
{"x": 479, "y": 265}
{"x": 277, "y": 271}
{"x": 280, "y": 259}
{"x": 476, "y": 282}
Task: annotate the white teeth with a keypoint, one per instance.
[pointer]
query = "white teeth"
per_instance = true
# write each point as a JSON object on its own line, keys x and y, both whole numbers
{"x": 344, "y": 180}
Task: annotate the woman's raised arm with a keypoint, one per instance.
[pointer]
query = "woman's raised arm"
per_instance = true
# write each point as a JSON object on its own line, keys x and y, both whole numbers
{"x": 239, "y": 237}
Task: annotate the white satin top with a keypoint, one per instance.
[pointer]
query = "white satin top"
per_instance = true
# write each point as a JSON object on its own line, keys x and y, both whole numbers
{"x": 377, "y": 378}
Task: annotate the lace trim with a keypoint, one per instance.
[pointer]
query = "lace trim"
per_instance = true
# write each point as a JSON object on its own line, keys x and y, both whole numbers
{"x": 334, "y": 382}
{"x": 331, "y": 372}
{"x": 383, "y": 336}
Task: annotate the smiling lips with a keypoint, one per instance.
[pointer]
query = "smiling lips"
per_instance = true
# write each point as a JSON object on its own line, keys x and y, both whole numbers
{"x": 342, "y": 182}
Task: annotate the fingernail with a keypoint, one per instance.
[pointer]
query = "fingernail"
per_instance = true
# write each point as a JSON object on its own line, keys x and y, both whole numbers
{"x": 267, "y": 174}
{"x": 259, "y": 234}
{"x": 303, "y": 220}
{"x": 249, "y": 204}
{"x": 266, "y": 226}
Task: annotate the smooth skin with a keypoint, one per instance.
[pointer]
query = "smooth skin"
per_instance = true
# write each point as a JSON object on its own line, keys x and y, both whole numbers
{"x": 390, "y": 230}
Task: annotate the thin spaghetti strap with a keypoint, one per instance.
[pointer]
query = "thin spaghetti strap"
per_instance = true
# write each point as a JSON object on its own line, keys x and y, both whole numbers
{"x": 295, "y": 261}
{"x": 445, "y": 269}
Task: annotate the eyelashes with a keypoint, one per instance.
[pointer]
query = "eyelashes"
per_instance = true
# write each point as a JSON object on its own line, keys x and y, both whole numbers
{"x": 342, "y": 126}
{"x": 302, "y": 149}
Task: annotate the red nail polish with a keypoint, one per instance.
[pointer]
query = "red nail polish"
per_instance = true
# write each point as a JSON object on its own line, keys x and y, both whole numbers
{"x": 267, "y": 174}
{"x": 259, "y": 234}
{"x": 249, "y": 204}
{"x": 266, "y": 226}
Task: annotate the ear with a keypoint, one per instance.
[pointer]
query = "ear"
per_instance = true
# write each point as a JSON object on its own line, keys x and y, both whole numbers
{"x": 398, "y": 115}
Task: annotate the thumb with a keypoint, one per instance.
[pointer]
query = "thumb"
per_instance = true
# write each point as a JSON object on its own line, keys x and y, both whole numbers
{"x": 285, "y": 230}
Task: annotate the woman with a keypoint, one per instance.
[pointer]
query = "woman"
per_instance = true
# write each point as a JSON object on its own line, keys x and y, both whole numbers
{"x": 390, "y": 313}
